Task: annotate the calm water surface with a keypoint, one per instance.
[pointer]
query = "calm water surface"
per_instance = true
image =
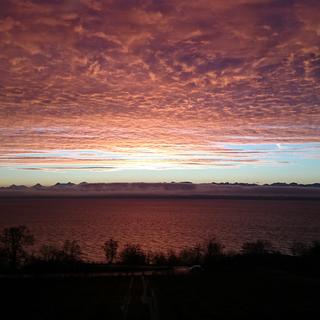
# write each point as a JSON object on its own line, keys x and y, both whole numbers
{"x": 162, "y": 224}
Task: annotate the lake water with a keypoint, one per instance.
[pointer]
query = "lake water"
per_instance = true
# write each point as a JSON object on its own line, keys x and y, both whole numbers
{"x": 162, "y": 224}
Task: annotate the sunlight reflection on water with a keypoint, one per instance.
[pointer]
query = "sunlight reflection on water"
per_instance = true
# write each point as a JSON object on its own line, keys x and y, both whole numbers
{"x": 162, "y": 224}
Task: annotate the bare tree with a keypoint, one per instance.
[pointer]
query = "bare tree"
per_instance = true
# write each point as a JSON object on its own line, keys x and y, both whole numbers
{"x": 213, "y": 251}
{"x": 71, "y": 251}
{"x": 110, "y": 249}
{"x": 13, "y": 242}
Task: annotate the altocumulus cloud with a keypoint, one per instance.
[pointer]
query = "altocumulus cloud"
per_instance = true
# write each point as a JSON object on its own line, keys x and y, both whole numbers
{"x": 158, "y": 83}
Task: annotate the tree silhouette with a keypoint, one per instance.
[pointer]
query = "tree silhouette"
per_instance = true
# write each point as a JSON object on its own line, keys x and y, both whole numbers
{"x": 159, "y": 258}
{"x": 299, "y": 249}
{"x": 259, "y": 247}
{"x": 110, "y": 249}
{"x": 305, "y": 250}
{"x": 13, "y": 242}
{"x": 213, "y": 250}
{"x": 192, "y": 255}
{"x": 132, "y": 254}
{"x": 49, "y": 253}
{"x": 71, "y": 251}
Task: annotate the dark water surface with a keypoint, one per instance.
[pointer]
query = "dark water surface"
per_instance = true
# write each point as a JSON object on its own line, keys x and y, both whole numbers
{"x": 162, "y": 224}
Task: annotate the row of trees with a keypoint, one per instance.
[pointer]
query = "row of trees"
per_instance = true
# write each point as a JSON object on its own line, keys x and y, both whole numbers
{"x": 15, "y": 241}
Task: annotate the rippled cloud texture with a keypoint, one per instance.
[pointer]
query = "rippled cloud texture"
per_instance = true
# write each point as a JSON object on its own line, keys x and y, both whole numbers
{"x": 119, "y": 84}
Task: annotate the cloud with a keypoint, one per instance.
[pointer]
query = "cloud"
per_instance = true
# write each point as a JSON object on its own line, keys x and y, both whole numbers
{"x": 161, "y": 75}
{"x": 66, "y": 168}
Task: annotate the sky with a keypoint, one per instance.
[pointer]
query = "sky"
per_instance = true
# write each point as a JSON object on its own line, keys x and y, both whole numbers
{"x": 159, "y": 90}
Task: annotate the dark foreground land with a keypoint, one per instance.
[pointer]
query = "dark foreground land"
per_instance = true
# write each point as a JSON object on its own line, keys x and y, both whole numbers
{"x": 245, "y": 294}
{"x": 199, "y": 282}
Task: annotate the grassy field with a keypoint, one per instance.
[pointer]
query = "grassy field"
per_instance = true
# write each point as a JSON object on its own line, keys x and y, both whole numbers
{"x": 258, "y": 294}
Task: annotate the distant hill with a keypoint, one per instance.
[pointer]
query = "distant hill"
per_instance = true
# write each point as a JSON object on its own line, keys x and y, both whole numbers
{"x": 173, "y": 189}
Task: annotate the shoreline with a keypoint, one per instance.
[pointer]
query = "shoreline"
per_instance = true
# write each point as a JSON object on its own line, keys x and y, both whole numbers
{"x": 160, "y": 196}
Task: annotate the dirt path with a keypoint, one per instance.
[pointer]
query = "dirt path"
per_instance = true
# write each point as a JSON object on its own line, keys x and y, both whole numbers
{"x": 139, "y": 302}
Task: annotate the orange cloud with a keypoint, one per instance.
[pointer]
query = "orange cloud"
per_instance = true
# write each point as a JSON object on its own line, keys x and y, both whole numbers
{"x": 114, "y": 75}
